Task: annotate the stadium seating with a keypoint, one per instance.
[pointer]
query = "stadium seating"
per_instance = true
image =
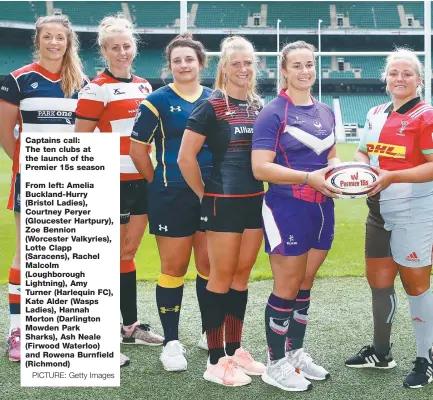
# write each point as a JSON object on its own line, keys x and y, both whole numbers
{"x": 14, "y": 58}
{"x": 24, "y": 11}
{"x": 225, "y": 14}
{"x": 298, "y": 14}
{"x": 155, "y": 14}
{"x": 355, "y": 107}
{"x": 88, "y": 12}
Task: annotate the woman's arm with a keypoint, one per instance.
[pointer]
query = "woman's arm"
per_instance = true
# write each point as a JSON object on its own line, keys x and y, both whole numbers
{"x": 265, "y": 169}
{"x": 361, "y": 156}
{"x": 140, "y": 156}
{"x": 191, "y": 145}
{"x": 8, "y": 119}
{"x": 333, "y": 159}
{"x": 84, "y": 125}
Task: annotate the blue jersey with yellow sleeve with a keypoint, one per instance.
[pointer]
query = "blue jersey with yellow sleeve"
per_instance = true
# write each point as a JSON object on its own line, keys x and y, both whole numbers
{"x": 162, "y": 117}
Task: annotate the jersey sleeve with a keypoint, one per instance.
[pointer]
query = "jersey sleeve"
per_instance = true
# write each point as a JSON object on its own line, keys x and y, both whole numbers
{"x": 91, "y": 102}
{"x": 426, "y": 138}
{"x": 266, "y": 130}
{"x": 10, "y": 91}
{"x": 202, "y": 119}
{"x": 146, "y": 121}
{"x": 367, "y": 126}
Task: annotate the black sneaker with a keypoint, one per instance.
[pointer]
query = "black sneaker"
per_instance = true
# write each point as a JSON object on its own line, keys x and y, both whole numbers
{"x": 367, "y": 358}
{"x": 421, "y": 375}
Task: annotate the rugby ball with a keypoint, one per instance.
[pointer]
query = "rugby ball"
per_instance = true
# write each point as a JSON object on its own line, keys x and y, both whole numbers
{"x": 352, "y": 178}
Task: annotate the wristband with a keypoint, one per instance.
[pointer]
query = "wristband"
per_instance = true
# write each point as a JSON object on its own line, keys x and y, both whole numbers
{"x": 306, "y": 178}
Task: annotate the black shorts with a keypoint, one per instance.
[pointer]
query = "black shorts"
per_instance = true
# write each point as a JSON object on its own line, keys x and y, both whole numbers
{"x": 231, "y": 214}
{"x": 377, "y": 238}
{"x": 133, "y": 199}
{"x": 173, "y": 211}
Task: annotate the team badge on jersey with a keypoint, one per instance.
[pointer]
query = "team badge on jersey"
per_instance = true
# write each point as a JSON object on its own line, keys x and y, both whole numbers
{"x": 403, "y": 126}
{"x": 144, "y": 89}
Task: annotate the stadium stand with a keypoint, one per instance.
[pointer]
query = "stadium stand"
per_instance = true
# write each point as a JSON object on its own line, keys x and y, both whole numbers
{"x": 23, "y": 11}
{"x": 355, "y": 108}
{"x": 87, "y": 12}
{"x": 155, "y": 14}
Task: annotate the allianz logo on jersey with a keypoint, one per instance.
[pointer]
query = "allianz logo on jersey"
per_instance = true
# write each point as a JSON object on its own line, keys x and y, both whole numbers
{"x": 243, "y": 129}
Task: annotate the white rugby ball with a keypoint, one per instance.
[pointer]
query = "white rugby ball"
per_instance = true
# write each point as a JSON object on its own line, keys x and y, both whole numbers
{"x": 352, "y": 178}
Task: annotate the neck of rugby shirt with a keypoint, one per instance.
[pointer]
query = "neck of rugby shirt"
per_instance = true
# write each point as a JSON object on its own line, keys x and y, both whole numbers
{"x": 124, "y": 73}
{"x": 237, "y": 92}
{"x": 397, "y": 102}
{"x": 188, "y": 88}
{"x": 299, "y": 97}
{"x": 53, "y": 66}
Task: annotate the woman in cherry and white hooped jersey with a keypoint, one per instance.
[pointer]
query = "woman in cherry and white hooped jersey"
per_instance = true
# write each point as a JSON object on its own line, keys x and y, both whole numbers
{"x": 109, "y": 104}
{"x": 40, "y": 97}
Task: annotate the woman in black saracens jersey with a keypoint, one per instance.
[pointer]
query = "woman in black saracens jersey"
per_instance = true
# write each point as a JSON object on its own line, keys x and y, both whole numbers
{"x": 31, "y": 96}
{"x": 231, "y": 206}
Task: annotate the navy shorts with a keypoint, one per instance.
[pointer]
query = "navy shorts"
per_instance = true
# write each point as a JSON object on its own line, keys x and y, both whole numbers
{"x": 294, "y": 226}
{"x": 173, "y": 211}
{"x": 14, "y": 202}
{"x": 133, "y": 199}
{"x": 231, "y": 214}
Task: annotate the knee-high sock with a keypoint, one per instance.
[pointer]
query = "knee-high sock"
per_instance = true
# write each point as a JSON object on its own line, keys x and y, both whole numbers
{"x": 421, "y": 313}
{"x": 169, "y": 293}
{"x": 298, "y": 324}
{"x": 384, "y": 308}
{"x": 200, "y": 287}
{"x": 277, "y": 317}
{"x": 14, "y": 298}
{"x": 234, "y": 319}
{"x": 128, "y": 292}
{"x": 214, "y": 305}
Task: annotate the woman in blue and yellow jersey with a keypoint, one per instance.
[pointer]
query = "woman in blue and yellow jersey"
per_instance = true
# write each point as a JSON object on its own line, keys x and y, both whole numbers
{"x": 173, "y": 208}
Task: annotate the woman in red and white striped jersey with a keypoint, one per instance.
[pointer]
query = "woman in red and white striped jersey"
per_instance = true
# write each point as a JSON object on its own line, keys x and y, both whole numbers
{"x": 109, "y": 103}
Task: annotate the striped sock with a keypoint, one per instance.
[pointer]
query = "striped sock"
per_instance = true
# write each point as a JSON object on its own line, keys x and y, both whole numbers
{"x": 277, "y": 316}
{"x": 14, "y": 298}
{"x": 214, "y": 305}
{"x": 234, "y": 319}
{"x": 128, "y": 291}
{"x": 298, "y": 324}
{"x": 169, "y": 294}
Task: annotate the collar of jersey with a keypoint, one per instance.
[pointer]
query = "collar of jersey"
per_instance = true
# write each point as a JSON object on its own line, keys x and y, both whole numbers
{"x": 405, "y": 107}
{"x": 125, "y": 80}
{"x": 50, "y": 75}
{"x": 287, "y": 98}
{"x": 190, "y": 98}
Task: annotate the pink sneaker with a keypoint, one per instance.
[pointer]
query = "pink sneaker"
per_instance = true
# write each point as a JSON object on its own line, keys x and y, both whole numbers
{"x": 13, "y": 345}
{"x": 226, "y": 373}
{"x": 246, "y": 362}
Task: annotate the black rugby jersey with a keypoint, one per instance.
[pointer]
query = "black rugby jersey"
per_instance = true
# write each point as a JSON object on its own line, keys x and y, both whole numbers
{"x": 229, "y": 130}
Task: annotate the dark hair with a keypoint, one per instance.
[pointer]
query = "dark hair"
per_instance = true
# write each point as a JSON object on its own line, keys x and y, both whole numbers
{"x": 186, "y": 40}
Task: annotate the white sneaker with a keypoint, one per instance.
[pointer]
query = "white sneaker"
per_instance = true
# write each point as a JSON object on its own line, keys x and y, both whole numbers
{"x": 124, "y": 361}
{"x": 173, "y": 356}
{"x": 304, "y": 363}
{"x": 282, "y": 375}
{"x": 202, "y": 343}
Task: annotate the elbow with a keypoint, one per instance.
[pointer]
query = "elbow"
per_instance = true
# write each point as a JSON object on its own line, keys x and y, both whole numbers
{"x": 258, "y": 173}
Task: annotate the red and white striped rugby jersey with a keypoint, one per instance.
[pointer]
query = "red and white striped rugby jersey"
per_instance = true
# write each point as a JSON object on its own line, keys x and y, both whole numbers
{"x": 114, "y": 102}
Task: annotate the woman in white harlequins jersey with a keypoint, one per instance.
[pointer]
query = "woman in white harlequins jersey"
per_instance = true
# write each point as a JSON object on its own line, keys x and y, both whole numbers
{"x": 33, "y": 96}
{"x": 109, "y": 104}
{"x": 398, "y": 140}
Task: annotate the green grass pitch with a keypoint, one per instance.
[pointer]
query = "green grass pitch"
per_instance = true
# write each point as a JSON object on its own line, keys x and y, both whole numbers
{"x": 345, "y": 259}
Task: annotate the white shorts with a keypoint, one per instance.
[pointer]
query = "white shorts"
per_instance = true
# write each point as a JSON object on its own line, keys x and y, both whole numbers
{"x": 412, "y": 244}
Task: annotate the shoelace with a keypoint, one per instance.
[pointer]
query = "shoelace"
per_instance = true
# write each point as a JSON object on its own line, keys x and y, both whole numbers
{"x": 366, "y": 350}
{"x": 229, "y": 367}
{"x": 245, "y": 355}
{"x": 287, "y": 370}
{"x": 420, "y": 365}
{"x": 145, "y": 327}
{"x": 305, "y": 358}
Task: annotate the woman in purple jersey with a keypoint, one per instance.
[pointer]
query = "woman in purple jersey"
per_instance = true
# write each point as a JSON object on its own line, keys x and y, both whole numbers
{"x": 50, "y": 83}
{"x": 293, "y": 148}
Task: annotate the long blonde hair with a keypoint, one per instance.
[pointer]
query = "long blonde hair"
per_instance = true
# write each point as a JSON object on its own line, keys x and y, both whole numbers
{"x": 72, "y": 69}
{"x": 228, "y": 46}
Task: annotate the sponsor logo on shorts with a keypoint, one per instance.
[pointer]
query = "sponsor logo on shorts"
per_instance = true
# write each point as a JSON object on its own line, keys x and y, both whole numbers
{"x": 292, "y": 241}
{"x": 18, "y": 200}
{"x": 386, "y": 150}
{"x": 163, "y": 228}
{"x": 34, "y": 85}
{"x": 203, "y": 219}
{"x": 412, "y": 257}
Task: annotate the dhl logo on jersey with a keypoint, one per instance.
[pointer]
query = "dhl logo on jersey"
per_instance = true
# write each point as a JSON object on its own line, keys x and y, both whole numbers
{"x": 386, "y": 150}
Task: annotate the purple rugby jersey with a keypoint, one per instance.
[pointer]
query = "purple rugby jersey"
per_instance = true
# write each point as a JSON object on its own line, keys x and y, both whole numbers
{"x": 301, "y": 136}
